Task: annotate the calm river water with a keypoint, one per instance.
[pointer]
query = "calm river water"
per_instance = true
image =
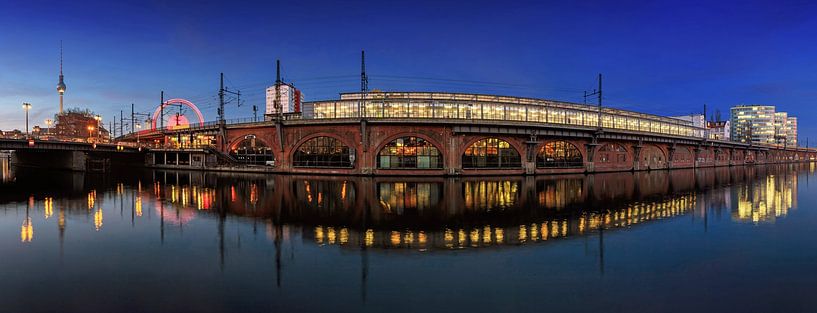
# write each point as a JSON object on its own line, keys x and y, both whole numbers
{"x": 740, "y": 239}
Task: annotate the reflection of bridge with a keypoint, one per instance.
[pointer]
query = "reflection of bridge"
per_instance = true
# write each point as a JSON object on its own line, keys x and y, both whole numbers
{"x": 456, "y": 134}
{"x": 476, "y": 212}
{"x": 71, "y": 155}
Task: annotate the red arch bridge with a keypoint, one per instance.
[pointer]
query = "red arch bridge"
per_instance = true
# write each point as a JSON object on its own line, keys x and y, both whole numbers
{"x": 425, "y": 133}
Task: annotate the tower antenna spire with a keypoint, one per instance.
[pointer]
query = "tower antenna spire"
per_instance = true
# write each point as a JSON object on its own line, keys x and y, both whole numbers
{"x": 61, "y": 83}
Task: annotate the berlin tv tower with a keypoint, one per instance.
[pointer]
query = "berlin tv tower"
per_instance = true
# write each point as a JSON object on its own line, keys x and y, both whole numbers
{"x": 61, "y": 84}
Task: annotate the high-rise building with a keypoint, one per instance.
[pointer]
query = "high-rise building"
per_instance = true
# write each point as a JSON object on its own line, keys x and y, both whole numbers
{"x": 791, "y": 131}
{"x": 780, "y": 127}
{"x": 761, "y": 124}
{"x": 290, "y": 97}
{"x": 61, "y": 84}
{"x": 753, "y": 123}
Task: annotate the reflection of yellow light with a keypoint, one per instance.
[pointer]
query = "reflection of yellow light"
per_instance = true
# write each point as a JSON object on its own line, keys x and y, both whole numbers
{"x": 523, "y": 233}
{"x": 461, "y": 237}
{"x": 48, "y": 204}
{"x": 98, "y": 219}
{"x": 449, "y": 238}
{"x": 421, "y": 238}
{"x": 408, "y": 238}
{"x": 474, "y": 237}
{"x": 534, "y": 232}
{"x": 91, "y": 199}
{"x": 486, "y": 235}
{"x": 139, "y": 206}
{"x": 344, "y": 236}
{"x": 500, "y": 235}
{"x": 369, "y": 237}
{"x": 319, "y": 234}
{"x": 27, "y": 230}
{"x": 330, "y": 235}
{"x": 395, "y": 238}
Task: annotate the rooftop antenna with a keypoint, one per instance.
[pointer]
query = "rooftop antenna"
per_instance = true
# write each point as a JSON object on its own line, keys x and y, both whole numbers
{"x": 364, "y": 82}
{"x": 278, "y": 88}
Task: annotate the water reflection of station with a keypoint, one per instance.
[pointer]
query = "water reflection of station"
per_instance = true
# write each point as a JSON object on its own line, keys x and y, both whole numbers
{"x": 440, "y": 213}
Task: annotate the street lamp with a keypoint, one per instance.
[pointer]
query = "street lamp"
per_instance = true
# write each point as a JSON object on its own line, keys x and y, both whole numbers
{"x": 98, "y": 119}
{"x": 90, "y": 132}
{"x": 48, "y": 123}
{"x": 138, "y": 127}
{"x": 26, "y": 107}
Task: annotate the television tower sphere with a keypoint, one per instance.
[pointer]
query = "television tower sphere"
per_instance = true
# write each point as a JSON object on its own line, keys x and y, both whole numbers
{"x": 61, "y": 86}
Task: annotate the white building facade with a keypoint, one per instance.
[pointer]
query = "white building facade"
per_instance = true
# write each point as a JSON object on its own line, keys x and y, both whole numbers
{"x": 291, "y": 99}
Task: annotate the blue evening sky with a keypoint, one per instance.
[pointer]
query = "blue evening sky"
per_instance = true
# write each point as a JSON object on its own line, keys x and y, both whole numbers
{"x": 657, "y": 57}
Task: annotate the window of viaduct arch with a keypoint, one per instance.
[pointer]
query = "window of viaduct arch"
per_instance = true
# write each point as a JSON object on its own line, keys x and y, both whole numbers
{"x": 612, "y": 153}
{"x": 252, "y": 151}
{"x": 559, "y": 154}
{"x": 409, "y": 153}
{"x": 652, "y": 157}
{"x": 491, "y": 153}
{"x": 323, "y": 151}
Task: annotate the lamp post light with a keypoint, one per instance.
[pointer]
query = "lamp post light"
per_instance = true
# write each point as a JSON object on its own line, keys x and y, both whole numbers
{"x": 48, "y": 123}
{"x": 90, "y": 133}
{"x": 27, "y": 107}
{"x": 98, "y": 119}
{"x": 138, "y": 127}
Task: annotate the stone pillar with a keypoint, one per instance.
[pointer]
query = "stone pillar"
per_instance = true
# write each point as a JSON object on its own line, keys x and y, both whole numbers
{"x": 590, "y": 149}
{"x": 77, "y": 161}
{"x": 637, "y": 157}
{"x": 530, "y": 159}
{"x": 454, "y": 161}
{"x": 732, "y": 157}
{"x": 696, "y": 153}
{"x": 670, "y": 157}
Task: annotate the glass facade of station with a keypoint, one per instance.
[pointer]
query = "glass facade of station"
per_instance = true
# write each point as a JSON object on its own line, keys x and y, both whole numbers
{"x": 430, "y": 105}
{"x": 491, "y": 153}
{"x": 252, "y": 151}
{"x": 323, "y": 152}
{"x": 409, "y": 153}
{"x": 559, "y": 154}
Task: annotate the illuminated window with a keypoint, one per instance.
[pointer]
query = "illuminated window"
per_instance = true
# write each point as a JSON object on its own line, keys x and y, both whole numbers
{"x": 323, "y": 152}
{"x": 559, "y": 154}
{"x": 252, "y": 151}
{"x": 409, "y": 152}
{"x": 491, "y": 153}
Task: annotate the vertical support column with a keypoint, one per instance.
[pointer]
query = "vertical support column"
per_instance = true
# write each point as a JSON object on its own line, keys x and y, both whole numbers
{"x": 530, "y": 160}
{"x": 671, "y": 157}
{"x": 637, "y": 156}
{"x": 590, "y": 149}
{"x": 454, "y": 160}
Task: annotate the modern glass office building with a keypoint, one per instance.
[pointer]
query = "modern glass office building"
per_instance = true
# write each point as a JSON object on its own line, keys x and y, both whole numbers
{"x": 753, "y": 123}
{"x": 761, "y": 124}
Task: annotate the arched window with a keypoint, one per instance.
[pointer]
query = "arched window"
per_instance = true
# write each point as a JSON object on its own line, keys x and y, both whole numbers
{"x": 323, "y": 152}
{"x": 559, "y": 154}
{"x": 491, "y": 153}
{"x": 252, "y": 151}
{"x": 612, "y": 152}
{"x": 409, "y": 152}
